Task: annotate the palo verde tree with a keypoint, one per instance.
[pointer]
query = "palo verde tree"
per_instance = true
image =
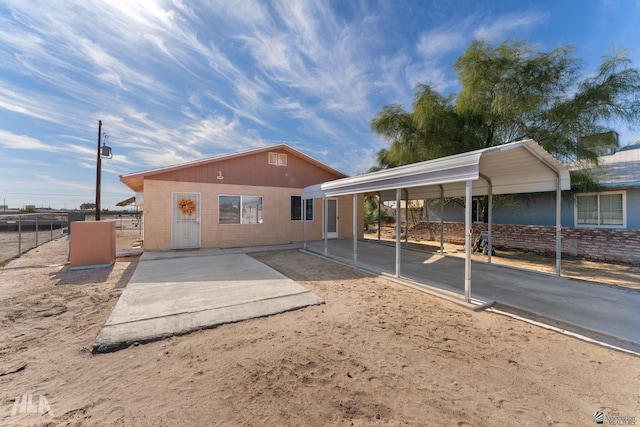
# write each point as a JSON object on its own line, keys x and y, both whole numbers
{"x": 511, "y": 92}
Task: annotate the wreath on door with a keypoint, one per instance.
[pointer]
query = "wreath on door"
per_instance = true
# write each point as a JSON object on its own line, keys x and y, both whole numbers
{"x": 187, "y": 206}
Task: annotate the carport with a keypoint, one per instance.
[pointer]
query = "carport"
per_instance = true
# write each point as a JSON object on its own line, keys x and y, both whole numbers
{"x": 514, "y": 168}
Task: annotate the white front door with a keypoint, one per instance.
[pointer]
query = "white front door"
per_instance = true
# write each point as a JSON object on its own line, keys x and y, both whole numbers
{"x": 332, "y": 219}
{"x": 185, "y": 222}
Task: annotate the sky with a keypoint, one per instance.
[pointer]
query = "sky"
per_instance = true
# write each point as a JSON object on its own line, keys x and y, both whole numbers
{"x": 174, "y": 80}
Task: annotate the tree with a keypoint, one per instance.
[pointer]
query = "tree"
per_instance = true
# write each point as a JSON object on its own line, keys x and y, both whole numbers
{"x": 511, "y": 92}
{"x": 87, "y": 206}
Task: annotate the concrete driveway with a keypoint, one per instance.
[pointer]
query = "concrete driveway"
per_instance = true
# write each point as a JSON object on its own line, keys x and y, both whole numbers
{"x": 173, "y": 293}
{"x": 605, "y": 313}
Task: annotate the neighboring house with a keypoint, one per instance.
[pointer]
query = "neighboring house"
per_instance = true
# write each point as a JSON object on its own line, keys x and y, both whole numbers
{"x": 618, "y": 176}
{"x": 244, "y": 199}
{"x": 614, "y": 206}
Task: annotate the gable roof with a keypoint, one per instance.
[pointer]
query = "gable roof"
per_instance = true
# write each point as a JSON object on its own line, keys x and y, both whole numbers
{"x": 135, "y": 180}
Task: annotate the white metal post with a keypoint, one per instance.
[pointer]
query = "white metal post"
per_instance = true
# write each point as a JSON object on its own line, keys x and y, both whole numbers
{"x": 490, "y": 225}
{"x": 441, "y": 219}
{"x": 304, "y": 222}
{"x": 467, "y": 242}
{"x": 558, "y": 229}
{"x": 325, "y": 225}
{"x": 406, "y": 218}
{"x": 355, "y": 229}
{"x": 398, "y": 230}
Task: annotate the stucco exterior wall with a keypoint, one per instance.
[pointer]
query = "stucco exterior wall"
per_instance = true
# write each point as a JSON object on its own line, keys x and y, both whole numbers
{"x": 93, "y": 243}
{"x": 276, "y": 228}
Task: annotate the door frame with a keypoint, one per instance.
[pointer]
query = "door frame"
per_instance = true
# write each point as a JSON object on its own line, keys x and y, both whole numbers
{"x": 333, "y": 234}
{"x": 197, "y": 219}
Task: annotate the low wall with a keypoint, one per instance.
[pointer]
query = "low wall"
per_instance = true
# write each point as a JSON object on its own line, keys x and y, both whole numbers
{"x": 93, "y": 244}
{"x": 594, "y": 244}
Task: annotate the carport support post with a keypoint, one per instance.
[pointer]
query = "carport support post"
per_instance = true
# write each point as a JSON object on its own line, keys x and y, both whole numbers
{"x": 379, "y": 216}
{"x": 304, "y": 223}
{"x": 490, "y": 225}
{"x": 406, "y": 218}
{"x": 355, "y": 229}
{"x": 558, "y": 229}
{"x": 441, "y": 219}
{"x": 398, "y": 230}
{"x": 467, "y": 242}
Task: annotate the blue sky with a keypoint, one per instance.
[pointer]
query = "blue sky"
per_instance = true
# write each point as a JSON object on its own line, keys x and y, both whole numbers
{"x": 174, "y": 81}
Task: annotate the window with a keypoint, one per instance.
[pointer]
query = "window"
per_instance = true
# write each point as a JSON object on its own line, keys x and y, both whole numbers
{"x": 296, "y": 208}
{"x": 601, "y": 210}
{"x": 239, "y": 210}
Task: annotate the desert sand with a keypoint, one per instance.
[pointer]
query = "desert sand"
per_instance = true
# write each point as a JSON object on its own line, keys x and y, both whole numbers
{"x": 376, "y": 353}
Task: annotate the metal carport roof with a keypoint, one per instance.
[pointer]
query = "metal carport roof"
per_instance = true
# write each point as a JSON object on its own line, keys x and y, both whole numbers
{"x": 514, "y": 168}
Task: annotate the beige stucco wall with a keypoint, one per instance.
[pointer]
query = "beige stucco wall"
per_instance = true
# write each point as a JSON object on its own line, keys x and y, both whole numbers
{"x": 276, "y": 228}
{"x": 92, "y": 243}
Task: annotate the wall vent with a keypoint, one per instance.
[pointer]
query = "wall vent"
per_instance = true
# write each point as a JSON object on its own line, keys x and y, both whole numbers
{"x": 277, "y": 159}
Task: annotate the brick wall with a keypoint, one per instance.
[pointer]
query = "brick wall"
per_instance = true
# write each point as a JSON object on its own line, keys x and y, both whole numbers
{"x": 595, "y": 244}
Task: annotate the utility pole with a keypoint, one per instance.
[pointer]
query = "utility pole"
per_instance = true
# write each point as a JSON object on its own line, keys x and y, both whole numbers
{"x": 98, "y": 172}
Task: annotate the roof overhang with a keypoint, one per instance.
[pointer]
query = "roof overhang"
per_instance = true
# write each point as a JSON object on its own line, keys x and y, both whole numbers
{"x": 514, "y": 168}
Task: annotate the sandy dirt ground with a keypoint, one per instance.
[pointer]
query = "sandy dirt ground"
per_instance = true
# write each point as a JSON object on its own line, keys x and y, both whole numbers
{"x": 376, "y": 353}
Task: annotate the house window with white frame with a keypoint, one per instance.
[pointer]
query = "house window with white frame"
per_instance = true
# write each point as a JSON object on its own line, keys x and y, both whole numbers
{"x": 601, "y": 210}
{"x": 239, "y": 210}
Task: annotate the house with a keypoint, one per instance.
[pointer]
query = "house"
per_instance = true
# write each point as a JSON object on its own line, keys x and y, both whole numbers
{"x": 612, "y": 206}
{"x": 251, "y": 198}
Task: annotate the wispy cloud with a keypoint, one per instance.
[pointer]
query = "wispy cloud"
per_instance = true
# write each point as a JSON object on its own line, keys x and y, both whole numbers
{"x": 434, "y": 43}
{"x": 174, "y": 81}
{"x": 501, "y": 26}
{"x": 24, "y": 142}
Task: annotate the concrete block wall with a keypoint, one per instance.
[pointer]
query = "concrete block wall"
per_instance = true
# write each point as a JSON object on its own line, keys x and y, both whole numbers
{"x": 594, "y": 244}
{"x": 277, "y": 226}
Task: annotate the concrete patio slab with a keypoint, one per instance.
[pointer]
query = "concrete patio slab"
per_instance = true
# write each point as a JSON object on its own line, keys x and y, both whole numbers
{"x": 173, "y": 293}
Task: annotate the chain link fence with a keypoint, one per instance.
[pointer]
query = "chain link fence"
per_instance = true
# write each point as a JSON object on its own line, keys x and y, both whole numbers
{"x": 20, "y": 233}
